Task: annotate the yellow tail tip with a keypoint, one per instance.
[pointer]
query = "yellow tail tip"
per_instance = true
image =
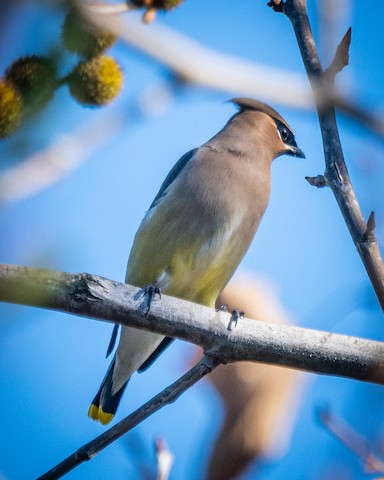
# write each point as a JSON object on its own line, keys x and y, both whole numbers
{"x": 98, "y": 415}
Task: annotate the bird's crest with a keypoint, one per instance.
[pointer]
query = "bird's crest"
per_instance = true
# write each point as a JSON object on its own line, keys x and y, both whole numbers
{"x": 251, "y": 104}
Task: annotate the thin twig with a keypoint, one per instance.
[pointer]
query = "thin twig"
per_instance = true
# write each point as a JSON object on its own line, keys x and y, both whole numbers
{"x": 96, "y": 297}
{"x": 233, "y": 75}
{"x": 167, "y": 396}
{"x": 195, "y": 63}
{"x": 352, "y": 440}
{"x": 319, "y": 181}
{"x": 336, "y": 173}
{"x": 202, "y": 66}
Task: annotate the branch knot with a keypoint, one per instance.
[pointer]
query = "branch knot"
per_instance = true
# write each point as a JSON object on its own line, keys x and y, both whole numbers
{"x": 319, "y": 181}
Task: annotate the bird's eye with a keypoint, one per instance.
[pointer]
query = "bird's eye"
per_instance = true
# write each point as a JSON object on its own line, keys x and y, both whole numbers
{"x": 284, "y": 132}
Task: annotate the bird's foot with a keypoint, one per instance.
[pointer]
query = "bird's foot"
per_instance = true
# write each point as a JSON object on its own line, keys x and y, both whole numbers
{"x": 222, "y": 308}
{"x": 149, "y": 293}
{"x": 236, "y": 314}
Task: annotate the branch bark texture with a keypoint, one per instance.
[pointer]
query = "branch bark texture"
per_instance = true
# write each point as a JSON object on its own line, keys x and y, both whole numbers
{"x": 336, "y": 173}
{"x": 96, "y": 297}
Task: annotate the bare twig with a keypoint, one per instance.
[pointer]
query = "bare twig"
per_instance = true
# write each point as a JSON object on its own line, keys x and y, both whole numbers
{"x": 336, "y": 173}
{"x": 167, "y": 396}
{"x": 201, "y": 66}
{"x": 352, "y": 440}
{"x": 96, "y": 297}
{"x": 319, "y": 181}
{"x": 198, "y": 64}
{"x": 341, "y": 58}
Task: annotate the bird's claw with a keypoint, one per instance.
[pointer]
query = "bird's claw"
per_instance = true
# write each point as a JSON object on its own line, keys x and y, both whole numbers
{"x": 236, "y": 314}
{"x": 148, "y": 293}
{"x": 222, "y": 308}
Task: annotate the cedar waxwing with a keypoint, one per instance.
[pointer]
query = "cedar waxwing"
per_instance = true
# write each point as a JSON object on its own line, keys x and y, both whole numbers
{"x": 198, "y": 229}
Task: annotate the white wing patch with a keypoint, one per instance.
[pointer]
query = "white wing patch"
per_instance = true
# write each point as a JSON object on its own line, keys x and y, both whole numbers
{"x": 217, "y": 246}
{"x": 164, "y": 280}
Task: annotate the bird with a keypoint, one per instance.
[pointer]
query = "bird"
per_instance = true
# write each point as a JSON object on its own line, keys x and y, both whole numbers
{"x": 197, "y": 230}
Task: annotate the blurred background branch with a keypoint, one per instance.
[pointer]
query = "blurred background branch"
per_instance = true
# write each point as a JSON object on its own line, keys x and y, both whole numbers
{"x": 369, "y": 454}
{"x": 189, "y": 63}
{"x": 66, "y": 153}
{"x": 197, "y": 64}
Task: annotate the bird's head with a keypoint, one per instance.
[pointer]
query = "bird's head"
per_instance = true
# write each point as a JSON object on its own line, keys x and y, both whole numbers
{"x": 269, "y": 126}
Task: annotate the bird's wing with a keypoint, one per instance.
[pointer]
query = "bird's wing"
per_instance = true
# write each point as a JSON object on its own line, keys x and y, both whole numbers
{"x": 153, "y": 357}
{"x": 176, "y": 169}
{"x": 112, "y": 341}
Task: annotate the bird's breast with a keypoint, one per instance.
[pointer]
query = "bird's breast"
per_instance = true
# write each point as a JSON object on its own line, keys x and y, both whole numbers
{"x": 192, "y": 241}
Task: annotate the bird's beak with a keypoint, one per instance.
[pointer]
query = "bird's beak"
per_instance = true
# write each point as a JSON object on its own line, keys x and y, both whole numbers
{"x": 295, "y": 151}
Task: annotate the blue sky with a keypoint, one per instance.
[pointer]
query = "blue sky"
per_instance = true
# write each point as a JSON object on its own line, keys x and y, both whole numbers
{"x": 51, "y": 364}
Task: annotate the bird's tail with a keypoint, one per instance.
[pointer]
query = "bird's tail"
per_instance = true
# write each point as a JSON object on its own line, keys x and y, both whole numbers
{"x": 105, "y": 403}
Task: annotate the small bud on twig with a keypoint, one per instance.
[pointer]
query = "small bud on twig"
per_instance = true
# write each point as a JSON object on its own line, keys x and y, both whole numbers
{"x": 369, "y": 234}
{"x": 341, "y": 58}
{"x": 319, "y": 181}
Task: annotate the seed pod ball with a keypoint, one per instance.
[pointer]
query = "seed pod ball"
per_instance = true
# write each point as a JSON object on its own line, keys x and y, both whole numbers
{"x": 96, "y": 81}
{"x": 81, "y": 37}
{"x": 35, "y": 79}
{"x": 11, "y": 106}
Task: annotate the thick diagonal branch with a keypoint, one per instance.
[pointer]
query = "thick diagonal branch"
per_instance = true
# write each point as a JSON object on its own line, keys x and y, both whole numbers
{"x": 167, "y": 396}
{"x": 96, "y": 297}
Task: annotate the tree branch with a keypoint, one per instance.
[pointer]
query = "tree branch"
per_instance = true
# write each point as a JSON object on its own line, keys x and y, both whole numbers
{"x": 195, "y": 63}
{"x": 209, "y": 68}
{"x": 167, "y": 396}
{"x": 202, "y": 66}
{"x": 96, "y": 297}
{"x": 336, "y": 174}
